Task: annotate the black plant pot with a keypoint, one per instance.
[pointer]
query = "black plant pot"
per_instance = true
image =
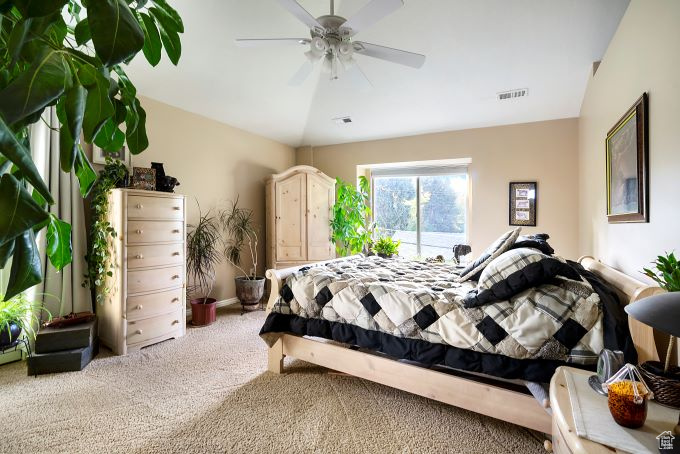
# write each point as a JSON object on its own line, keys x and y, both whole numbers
{"x": 9, "y": 337}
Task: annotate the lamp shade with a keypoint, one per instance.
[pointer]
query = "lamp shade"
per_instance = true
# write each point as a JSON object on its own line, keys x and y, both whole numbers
{"x": 661, "y": 312}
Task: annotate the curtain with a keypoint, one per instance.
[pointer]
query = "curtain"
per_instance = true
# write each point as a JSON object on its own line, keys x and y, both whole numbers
{"x": 66, "y": 284}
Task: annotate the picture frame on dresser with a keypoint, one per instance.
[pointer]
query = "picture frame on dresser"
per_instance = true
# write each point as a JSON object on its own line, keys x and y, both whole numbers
{"x": 627, "y": 157}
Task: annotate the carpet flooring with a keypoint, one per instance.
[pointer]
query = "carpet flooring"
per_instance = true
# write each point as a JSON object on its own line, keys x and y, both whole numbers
{"x": 209, "y": 392}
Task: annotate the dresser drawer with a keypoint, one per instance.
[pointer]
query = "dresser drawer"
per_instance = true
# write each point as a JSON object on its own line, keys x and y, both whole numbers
{"x": 149, "y": 280}
{"x": 143, "y": 330}
{"x": 144, "y": 306}
{"x": 154, "y": 232}
{"x": 155, "y": 255}
{"x": 142, "y": 207}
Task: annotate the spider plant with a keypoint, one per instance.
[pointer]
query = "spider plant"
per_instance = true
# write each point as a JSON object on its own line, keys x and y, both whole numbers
{"x": 22, "y": 312}
{"x": 203, "y": 254}
{"x": 241, "y": 237}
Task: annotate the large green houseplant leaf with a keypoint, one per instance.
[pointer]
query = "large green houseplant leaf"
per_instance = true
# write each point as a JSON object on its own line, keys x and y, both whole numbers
{"x": 69, "y": 54}
{"x": 351, "y": 229}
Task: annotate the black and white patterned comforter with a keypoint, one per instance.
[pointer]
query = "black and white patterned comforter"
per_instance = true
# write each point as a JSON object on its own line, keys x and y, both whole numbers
{"x": 414, "y": 310}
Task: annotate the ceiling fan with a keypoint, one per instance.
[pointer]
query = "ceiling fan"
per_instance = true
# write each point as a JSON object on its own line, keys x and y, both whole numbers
{"x": 332, "y": 40}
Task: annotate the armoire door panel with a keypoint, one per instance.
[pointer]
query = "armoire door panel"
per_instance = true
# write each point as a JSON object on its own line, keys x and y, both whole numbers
{"x": 290, "y": 218}
{"x": 320, "y": 199}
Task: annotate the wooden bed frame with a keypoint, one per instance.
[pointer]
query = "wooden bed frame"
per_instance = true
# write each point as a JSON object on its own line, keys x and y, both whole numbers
{"x": 495, "y": 400}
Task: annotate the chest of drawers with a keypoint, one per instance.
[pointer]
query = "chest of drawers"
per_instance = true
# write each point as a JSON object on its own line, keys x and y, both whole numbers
{"x": 144, "y": 299}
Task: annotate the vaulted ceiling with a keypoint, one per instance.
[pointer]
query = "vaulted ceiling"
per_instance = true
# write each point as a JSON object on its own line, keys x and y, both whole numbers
{"x": 474, "y": 48}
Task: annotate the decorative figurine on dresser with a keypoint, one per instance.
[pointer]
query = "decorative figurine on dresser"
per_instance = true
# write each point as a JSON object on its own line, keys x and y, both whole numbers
{"x": 299, "y": 208}
{"x": 144, "y": 300}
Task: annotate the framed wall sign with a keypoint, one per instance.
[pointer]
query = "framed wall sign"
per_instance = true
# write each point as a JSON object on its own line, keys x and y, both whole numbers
{"x": 523, "y": 203}
{"x": 627, "y": 170}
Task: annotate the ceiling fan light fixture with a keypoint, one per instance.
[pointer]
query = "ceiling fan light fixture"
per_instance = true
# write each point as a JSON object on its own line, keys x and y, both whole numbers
{"x": 319, "y": 45}
{"x": 345, "y": 50}
{"x": 331, "y": 40}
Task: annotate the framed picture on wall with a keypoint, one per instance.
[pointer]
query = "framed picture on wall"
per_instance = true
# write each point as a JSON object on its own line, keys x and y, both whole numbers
{"x": 99, "y": 155}
{"x": 627, "y": 169}
{"x": 523, "y": 203}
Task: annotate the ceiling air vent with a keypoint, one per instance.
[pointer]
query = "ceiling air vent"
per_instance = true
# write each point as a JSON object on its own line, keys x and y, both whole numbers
{"x": 342, "y": 121}
{"x": 512, "y": 94}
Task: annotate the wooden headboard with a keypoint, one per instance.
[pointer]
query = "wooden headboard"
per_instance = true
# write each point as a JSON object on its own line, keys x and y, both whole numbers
{"x": 646, "y": 341}
{"x": 628, "y": 288}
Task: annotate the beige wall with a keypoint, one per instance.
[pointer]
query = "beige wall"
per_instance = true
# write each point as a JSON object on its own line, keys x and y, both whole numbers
{"x": 544, "y": 151}
{"x": 642, "y": 56}
{"x": 214, "y": 163}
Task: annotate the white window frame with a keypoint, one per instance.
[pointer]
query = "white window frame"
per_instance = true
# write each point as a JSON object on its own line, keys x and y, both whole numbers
{"x": 418, "y": 171}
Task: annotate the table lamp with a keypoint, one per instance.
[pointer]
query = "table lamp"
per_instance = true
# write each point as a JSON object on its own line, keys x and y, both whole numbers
{"x": 661, "y": 312}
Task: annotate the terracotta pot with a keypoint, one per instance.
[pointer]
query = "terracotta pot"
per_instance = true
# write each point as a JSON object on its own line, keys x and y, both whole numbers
{"x": 8, "y": 337}
{"x": 203, "y": 313}
{"x": 250, "y": 291}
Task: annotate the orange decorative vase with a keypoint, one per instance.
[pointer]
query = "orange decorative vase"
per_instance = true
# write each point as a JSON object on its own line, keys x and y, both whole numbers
{"x": 628, "y": 407}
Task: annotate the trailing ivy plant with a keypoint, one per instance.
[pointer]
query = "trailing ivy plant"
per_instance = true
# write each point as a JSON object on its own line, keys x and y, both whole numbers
{"x": 101, "y": 231}
{"x": 69, "y": 54}
{"x": 350, "y": 227}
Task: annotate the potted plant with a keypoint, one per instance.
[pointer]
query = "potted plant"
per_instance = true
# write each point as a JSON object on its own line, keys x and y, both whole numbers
{"x": 18, "y": 315}
{"x": 662, "y": 378}
{"x": 203, "y": 253}
{"x": 350, "y": 227}
{"x": 241, "y": 237}
{"x": 386, "y": 247}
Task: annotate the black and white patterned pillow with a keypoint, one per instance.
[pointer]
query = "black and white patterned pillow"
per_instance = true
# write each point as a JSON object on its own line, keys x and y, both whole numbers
{"x": 502, "y": 244}
{"x": 515, "y": 271}
{"x": 538, "y": 241}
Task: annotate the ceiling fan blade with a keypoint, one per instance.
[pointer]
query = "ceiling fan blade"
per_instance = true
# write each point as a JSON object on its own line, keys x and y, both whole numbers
{"x": 268, "y": 42}
{"x": 401, "y": 57}
{"x": 302, "y": 74}
{"x": 371, "y": 13}
{"x": 357, "y": 77}
{"x": 302, "y": 14}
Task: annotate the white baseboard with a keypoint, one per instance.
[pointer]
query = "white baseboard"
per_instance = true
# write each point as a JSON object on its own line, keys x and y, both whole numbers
{"x": 223, "y": 303}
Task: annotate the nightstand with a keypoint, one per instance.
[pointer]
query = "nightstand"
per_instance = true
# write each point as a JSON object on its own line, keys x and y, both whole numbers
{"x": 565, "y": 439}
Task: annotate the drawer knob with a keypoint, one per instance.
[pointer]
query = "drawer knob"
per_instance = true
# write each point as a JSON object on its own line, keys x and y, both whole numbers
{"x": 176, "y": 208}
{"x": 139, "y": 206}
{"x": 175, "y": 253}
{"x": 139, "y": 331}
{"x": 176, "y": 276}
{"x": 175, "y": 322}
{"x": 139, "y": 256}
{"x": 139, "y": 231}
{"x": 175, "y": 231}
{"x": 139, "y": 307}
{"x": 175, "y": 300}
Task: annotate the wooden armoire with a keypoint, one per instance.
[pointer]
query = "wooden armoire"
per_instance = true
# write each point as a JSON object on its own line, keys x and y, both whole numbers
{"x": 299, "y": 205}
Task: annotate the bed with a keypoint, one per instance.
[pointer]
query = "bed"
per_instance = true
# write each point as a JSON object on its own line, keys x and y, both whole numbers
{"x": 478, "y": 376}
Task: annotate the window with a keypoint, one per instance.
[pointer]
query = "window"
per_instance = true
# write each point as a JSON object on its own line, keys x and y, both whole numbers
{"x": 424, "y": 208}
